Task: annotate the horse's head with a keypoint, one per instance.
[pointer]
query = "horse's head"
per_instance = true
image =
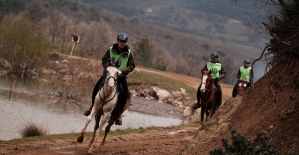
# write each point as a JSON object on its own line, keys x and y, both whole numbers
{"x": 206, "y": 81}
{"x": 241, "y": 86}
{"x": 114, "y": 62}
{"x": 111, "y": 78}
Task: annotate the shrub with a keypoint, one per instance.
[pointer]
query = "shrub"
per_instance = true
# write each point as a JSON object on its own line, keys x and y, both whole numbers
{"x": 31, "y": 129}
{"x": 22, "y": 46}
{"x": 241, "y": 145}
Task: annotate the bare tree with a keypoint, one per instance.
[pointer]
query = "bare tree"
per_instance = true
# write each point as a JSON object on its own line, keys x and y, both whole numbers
{"x": 96, "y": 38}
{"x": 55, "y": 18}
{"x": 161, "y": 58}
{"x": 231, "y": 72}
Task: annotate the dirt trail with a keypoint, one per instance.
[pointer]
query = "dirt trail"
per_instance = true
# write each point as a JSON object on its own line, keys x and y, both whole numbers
{"x": 166, "y": 141}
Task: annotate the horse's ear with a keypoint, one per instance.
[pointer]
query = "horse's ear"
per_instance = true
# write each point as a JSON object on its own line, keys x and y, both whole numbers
{"x": 117, "y": 63}
{"x": 110, "y": 61}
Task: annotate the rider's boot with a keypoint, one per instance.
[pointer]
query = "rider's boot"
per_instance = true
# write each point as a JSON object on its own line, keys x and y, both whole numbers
{"x": 87, "y": 112}
{"x": 194, "y": 107}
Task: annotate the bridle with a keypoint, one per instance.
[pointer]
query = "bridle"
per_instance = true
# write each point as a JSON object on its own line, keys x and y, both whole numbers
{"x": 207, "y": 89}
{"x": 115, "y": 82}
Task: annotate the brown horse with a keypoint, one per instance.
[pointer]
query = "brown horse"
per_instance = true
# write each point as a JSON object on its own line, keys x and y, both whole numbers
{"x": 241, "y": 86}
{"x": 208, "y": 96}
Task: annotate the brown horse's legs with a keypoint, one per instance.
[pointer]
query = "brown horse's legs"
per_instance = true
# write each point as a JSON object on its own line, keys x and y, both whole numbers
{"x": 234, "y": 93}
{"x": 207, "y": 115}
{"x": 202, "y": 113}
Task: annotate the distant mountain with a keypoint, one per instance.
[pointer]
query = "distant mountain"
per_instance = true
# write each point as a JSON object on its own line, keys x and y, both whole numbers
{"x": 213, "y": 19}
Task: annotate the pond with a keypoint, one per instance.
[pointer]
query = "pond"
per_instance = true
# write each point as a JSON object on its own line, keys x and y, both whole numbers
{"x": 60, "y": 117}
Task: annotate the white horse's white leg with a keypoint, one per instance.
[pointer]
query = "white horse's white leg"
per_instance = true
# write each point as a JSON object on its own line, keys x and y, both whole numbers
{"x": 96, "y": 126}
{"x": 98, "y": 131}
{"x": 88, "y": 120}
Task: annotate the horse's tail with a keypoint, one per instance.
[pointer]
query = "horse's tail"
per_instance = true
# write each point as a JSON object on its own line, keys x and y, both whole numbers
{"x": 127, "y": 105}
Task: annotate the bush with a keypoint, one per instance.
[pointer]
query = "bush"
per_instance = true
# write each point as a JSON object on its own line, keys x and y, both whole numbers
{"x": 31, "y": 130}
{"x": 241, "y": 145}
{"x": 25, "y": 49}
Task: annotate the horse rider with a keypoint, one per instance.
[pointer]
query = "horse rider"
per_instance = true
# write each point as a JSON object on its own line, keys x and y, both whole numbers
{"x": 119, "y": 51}
{"x": 218, "y": 73}
{"x": 244, "y": 74}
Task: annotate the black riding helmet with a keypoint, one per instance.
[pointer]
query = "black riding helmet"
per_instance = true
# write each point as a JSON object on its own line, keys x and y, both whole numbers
{"x": 122, "y": 37}
{"x": 214, "y": 55}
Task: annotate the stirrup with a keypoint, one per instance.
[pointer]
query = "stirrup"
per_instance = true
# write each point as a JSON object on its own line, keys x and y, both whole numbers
{"x": 87, "y": 112}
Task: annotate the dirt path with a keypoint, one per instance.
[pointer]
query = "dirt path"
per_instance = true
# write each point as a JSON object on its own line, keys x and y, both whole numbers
{"x": 166, "y": 141}
{"x": 159, "y": 142}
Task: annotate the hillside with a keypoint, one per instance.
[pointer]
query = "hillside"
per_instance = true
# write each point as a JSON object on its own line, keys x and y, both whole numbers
{"x": 213, "y": 19}
{"x": 270, "y": 109}
{"x": 183, "y": 52}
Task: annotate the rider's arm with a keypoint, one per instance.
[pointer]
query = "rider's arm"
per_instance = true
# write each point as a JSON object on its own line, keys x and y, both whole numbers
{"x": 105, "y": 59}
{"x": 239, "y": 74}
{"x": 130, "y": 65}
{"x": 222, "y": 73}
{"x": 205, "y": 68}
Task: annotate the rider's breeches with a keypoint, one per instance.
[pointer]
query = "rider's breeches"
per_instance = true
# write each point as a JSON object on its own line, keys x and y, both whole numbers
{"x": 96, "y": 88}
{"x": 124, "y": 93}
{"x": 198, "y": 94}
{"x": 219, "y": 95}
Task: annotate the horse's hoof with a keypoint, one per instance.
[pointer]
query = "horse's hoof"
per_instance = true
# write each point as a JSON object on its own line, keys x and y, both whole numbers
{"x": 80, "y": 139}
{"x": 89, "y": 151}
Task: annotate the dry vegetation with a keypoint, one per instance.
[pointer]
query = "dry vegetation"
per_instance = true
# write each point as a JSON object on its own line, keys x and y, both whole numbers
{"x": 182, "y": 53}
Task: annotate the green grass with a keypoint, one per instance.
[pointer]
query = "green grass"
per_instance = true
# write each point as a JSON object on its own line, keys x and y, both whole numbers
{"x": 146, "y": 80}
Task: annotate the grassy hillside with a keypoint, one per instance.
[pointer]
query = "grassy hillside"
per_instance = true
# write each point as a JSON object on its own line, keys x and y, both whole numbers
{"x": 185, "y": 53}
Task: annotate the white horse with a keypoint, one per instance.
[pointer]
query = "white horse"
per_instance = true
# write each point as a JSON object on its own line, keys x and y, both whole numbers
{"x": 105, "y": 102}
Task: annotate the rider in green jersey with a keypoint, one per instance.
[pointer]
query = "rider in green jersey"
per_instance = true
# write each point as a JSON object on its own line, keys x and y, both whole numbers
{"x": 218, "y": 73}
{"x": 121, "y": 52}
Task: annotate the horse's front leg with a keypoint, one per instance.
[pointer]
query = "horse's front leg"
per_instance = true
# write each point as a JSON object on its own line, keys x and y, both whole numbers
{"x": 207, "y": 115}
{"x": 96, "y": 126}
{"x": 88, "y": 120}
{"x": 202, "y": 113}
{"x": 98, "y": 131}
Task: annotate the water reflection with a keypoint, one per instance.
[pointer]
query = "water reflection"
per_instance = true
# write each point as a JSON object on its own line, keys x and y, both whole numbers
{"x": 60, "y": 117}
